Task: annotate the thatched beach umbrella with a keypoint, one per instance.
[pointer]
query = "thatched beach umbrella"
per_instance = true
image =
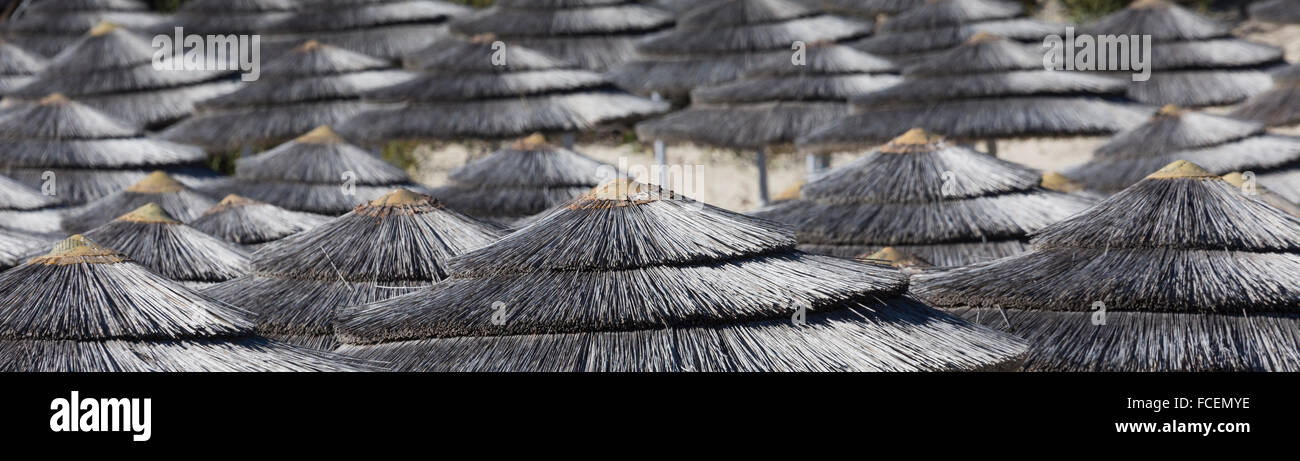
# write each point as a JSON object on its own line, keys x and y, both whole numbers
{"x": 1217, "y": 143}
{"x": 595, "y": 34}
{"x": 221, "y": 17}
{"x": 908, "y": 263}
{"x": 1180, "y": 272}
{"x": 986, "y": 89}
{"x": 869, "y": 9}
{"x": 153, "y": 238}
{"x": 1263, "y": 194}
{"x": 469, "y": 89}
{"x": 387, "y": 29}
{"x": 252, "y": 224}
{"x": 313, "y": 85}
{"x": 18, "y": 245}
{"x": 178, "y": 200}
{"x": 86, "y": 308}
{"x": 933, "y": 26}
{"x": 48, "y": 27}
{"x": 631, "y": 278}
{"x": 720, "y": 39}
{"x": 1280, "y": 105}
{"x": 920, "y": 194}
{"x": 113, "y": 70}
{"x": 24, "y": 208}
{"x": 522, "y": 180}
{"x": 83, "y": 154}
{"x": 318, "y": 172}
{"x": 1280, "y": 11}
{"x": 17, "y": 66}
{"x": 391, "y": 246}
{"x": 775, "y": 102}
{"x": 1195, "y": 61}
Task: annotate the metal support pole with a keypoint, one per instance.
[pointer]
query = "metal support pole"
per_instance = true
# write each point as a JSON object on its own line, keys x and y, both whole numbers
{"x": 761, "y": 162}
{"x": 992, "y": 146}
{"x": 661, "y": 154}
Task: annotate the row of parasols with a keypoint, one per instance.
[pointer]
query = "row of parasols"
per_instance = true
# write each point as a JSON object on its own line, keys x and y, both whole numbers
{"x": 1003, "y": 268}
{"x": 381, "y": 71}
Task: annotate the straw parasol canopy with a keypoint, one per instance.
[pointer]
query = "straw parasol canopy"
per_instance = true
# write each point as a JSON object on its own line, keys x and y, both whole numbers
{"x": 113, "y": 70}
{"x": 313, "y": 85}
{"x": 24, "y": 208}
{"x": 674, "y": 6}
{"x": 1261, "y": 193}
{"x": 18, "y": 245}
{"x": 1279, "y": 11}
{"x": 472, "y": 89}
{"x": 631, "y": 278}
{"x": 153, "y": 238}
{"x": 908, "y": 263}
{"x": 719, "y": 40}
{"x": 777, "y": 101}
{"x": 1180, "y": 272}
{"x": 86, "y": 308}
{"x": 48, "y": 27}
{"x": 394, "y": 245}
{"x": 920, "y": 194}
{"x": 252, "y": 224}
{"x": 1216, "y": 143}
{"x": 386, "y": 29}
{"x": 229, "y": 16}
{"x": 318, "y": 172}
{"x": 1195, "y": 61}
{"x": 521, "y": 181}
{"x": 933, "y": 26}
{"x": 83, "y": 154}
{"x": 869, "y": 9}
{"x": 987, "y": 88}
{"x": 17, "y": 66}
{"x": 178, "y": 200}
{"x": 1280, "y": 105}
{"x": 595, "y": 34}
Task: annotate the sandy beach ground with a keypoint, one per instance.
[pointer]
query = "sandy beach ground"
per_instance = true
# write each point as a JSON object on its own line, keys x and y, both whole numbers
{"x": 729, "y": 179}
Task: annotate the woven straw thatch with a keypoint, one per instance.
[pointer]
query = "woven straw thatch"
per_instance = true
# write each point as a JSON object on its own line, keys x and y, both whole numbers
{"x": 1280, "y": 105}
{"x": 935, "y": 26}
{"x": 596, "y": 35}
{"x": 721, "y": 39}
{"x": 868, "y": 9}
{"x": 522, "y": 180}
{"x": 391, "y": 246}
{"x": 229, "y": 16}
{"x": 112, "y": 69}
{"x": 313, "y": 85}
{"x": 17, "y": 67}
{"x": 777, "y": 101}
{"x": 48, "y": 27}
{"x": 387, "y": 29}
{"x": 90, "y": 154}
{"x": 178, "y": 200}
{"x": 908, "y": 263}
{"x": 1195, "y": 60}
{"x": 153, "y": 238}
{"x": 25, "y": 209}
{"x": 631, "y": 278}
{"x": 1261, "y": 193}
{"x": 1193, "y": 276}
{"x": 467, "y": 90}
{"x": 987, "y": 88}
{"x": 18, "y": 245}
{"x": 947, "y": 204}
{"x": 252, "y": 224}
{"x": 86, "y": 308}
{"x": 318, "y": 172}
{"x": 1218, "y": 144}
{"x": 1280, "y": 11}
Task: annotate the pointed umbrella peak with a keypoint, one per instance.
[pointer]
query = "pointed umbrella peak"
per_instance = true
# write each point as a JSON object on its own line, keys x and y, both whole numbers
{"x": 1182, "y": 169}
{"x": 1150, "y": 4}
{"x": 983, "y": 37}
{"x": 150, "y": 213}
{"x": 1170, "y": 110}
{"x": 535, "y": 141}
{"x": 399, "y": 201}
{"x": 483, "y": 38}
{"x": 894, "y": 257}
{"x": 78, "y": 249}
{"x": 158, "y": 182}
{"x": 618, "y": 192}
{"x": 321, "y": 135}
{"x": 915, "y": 140}
{"x": 234, "y": 200}
{"x": 54, "y": 99}
{"x": 1238, "y": 179}
{"x": 308, "y": 46}
{"x": 1061, "y": 183}
{"x": 794, "y": 192}
{"x": 103, "y": 28}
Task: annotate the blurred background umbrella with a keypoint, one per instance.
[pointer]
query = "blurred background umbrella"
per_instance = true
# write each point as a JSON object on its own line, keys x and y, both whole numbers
{"x": 594, "y": 34}
{"x": 1280, "y": 105}
{"x": 921, "y": 195}
{"x": 1180, "y": 272}
{"x": 633, "y": 278}
{"x": 252, "y": 224}
{"x": 933, "y": 26}
{"x": 396, "y": 244}
{"x": 178, "y": 200}
{"x": 48, "y": 27}
{"x": 17, "y": 67}
{"x": 386, "y": 29}
{"x": 868, "y": 9}
{"x": 152, "y": 237}
{"x": 1283, "y": 11}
